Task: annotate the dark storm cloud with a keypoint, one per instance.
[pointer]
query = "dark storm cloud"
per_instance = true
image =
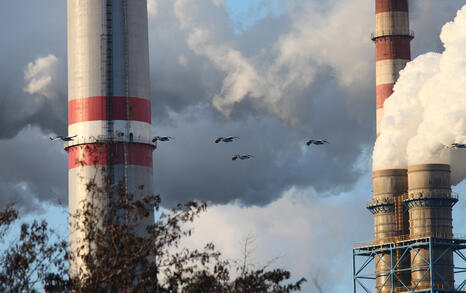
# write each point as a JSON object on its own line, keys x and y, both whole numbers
{"x": 30, "y": 30}
{"x": 300, "y": 75}
{"x": 337, "y": 103}
{"x": 193, "y": 166}
{"x": 32, "y": 169}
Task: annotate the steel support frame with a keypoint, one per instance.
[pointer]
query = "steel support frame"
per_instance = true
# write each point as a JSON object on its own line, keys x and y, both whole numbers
{"x": 364, "y": 256}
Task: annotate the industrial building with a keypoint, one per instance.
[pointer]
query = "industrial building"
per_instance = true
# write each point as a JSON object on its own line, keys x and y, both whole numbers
{"x": 414, "y": 246}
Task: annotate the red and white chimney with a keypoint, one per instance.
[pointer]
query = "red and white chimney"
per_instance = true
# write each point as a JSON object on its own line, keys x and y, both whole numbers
{"x": 108, "y": 97}
{"x": 392, "y": 39}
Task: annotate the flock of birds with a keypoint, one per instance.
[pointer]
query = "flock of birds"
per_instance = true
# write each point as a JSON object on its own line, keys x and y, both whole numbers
{"x": 225, "y": 139}
{"x": 228, "y": 139}
{"x": 232, "y": 138}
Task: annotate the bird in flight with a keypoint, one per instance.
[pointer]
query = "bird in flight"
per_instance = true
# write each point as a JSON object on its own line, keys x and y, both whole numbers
{"x": 316, "y": 142}
{"x": 225, "y": 139}
{"x": 458, "y": 146}
{"x": 64, "y": 138}
{"x": 242, "y": 157}
{"x": 162, "y": 138}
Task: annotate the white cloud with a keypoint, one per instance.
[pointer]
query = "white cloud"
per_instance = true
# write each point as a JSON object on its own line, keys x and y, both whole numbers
{"x": 308, "y": 234}
{"x": 42, "y": 77}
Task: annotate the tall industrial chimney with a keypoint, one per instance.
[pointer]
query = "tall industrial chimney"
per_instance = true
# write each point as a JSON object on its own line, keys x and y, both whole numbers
{"x": 108, "y": 99}
{"x": 392, "y": 39}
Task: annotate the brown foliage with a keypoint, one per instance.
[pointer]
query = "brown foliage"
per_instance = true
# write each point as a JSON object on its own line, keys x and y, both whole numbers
{"x": 33, "y": 258}
{"x": 117, "y": 256}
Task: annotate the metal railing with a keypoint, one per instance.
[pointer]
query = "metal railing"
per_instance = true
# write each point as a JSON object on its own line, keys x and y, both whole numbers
{"x": 385, "y": 201}
{"x": 390, "y": 272}
{"x": 449, "y": 195}
{"x": 108, "y": 139}
{"x": 406, "y": 237}
{"x": 390, "y": 33}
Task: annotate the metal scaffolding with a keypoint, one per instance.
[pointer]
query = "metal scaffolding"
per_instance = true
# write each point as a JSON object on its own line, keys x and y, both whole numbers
{"x": 364, "y": 256}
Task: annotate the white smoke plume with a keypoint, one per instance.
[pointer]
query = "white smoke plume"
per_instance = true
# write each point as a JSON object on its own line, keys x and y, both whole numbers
{"x": 427, "y": 111}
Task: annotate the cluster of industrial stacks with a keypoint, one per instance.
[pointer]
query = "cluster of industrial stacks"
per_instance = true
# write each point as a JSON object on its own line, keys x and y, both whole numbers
{"x": 413, "y": 243}
{"x": 407, "y": 205}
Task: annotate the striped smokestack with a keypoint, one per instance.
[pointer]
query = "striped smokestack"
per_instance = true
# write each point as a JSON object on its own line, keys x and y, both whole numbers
{"x": 392, "y": 40}
{"x": 108, "y": 99}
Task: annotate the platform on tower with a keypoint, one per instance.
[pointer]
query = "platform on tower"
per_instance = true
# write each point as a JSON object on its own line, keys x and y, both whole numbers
{"x": 367, "y": 254}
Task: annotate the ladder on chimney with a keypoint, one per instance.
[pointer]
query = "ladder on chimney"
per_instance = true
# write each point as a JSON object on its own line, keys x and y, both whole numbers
{"x": 107, "y": 80}
{"x": 127, "y": 101}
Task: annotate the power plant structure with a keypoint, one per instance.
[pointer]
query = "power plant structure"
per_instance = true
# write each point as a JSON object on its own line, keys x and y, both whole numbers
{"x": 414, "y": 245}
{"x": 109, "y": 108}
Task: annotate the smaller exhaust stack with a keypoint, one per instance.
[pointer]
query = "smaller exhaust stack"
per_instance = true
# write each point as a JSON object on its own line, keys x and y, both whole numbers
{"x": 390, "y": 188}
{"x": 430, "y": 205}
{"x": 413, "y": 245}
{"x": 411, "y": 205}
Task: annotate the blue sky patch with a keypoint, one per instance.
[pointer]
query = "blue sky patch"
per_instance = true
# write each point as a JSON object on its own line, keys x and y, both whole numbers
{"x": 245, "y": 13}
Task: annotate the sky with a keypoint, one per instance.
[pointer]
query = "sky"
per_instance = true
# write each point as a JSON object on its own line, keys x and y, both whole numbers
{"x": 272, "y": 72}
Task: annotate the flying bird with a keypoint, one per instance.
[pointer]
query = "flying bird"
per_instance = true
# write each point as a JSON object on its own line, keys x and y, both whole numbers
{"x": 225, "y": 139}
{"x": 242, "y": 157}
{"x": 316, "y": 142}
{"x": 458, "y": 146}
{"x": 64, "y": 138}
{"x": 162, "y": 138}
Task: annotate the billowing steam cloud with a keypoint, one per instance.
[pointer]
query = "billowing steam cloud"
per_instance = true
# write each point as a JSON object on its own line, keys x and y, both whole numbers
{"x": 427, "y": 111}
